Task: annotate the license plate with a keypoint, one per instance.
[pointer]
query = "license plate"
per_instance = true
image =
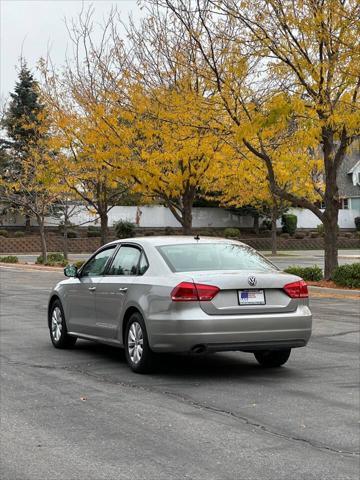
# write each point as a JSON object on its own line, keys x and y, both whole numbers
{"x": 251, "y": 297}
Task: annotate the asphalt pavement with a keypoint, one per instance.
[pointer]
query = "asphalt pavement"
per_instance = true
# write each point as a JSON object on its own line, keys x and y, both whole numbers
{"x": 82, "y": 414}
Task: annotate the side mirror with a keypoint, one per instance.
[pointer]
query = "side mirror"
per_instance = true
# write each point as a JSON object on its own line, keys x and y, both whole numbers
{"x": 71, "y": 271}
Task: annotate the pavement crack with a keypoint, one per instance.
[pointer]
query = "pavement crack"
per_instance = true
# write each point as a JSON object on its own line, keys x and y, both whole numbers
{"x": 195, "y": 404}
{"x": 259, "y": 426}
{"x": 336, "y": 334}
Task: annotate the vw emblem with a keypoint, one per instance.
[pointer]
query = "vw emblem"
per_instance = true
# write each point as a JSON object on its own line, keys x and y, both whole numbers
{"x": 252, "y": 281}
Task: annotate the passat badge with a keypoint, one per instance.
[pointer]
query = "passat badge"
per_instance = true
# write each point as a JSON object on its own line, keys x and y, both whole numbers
{"x": 252, "y": 281}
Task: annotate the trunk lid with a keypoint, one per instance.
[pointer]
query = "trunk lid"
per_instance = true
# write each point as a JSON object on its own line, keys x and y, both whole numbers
{"x": 227, "y": 302}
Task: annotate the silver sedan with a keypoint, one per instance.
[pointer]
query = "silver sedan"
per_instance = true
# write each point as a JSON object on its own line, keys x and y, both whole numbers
{"x": 181, "y": 294}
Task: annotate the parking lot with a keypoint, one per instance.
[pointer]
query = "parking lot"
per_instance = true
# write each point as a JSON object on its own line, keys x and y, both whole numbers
{"x": 82, "y": 414}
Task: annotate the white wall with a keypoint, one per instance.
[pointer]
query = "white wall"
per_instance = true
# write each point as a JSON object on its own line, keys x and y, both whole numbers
{"x": 159, "y": 216}
{"x": 307, "y": 219}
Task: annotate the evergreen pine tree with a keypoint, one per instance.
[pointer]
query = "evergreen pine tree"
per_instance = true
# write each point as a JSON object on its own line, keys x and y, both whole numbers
{"x": 21, "y": 120}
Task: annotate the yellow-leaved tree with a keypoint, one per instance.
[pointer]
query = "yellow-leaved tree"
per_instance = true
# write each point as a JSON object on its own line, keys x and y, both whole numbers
{"x": 287, "y": 74}
{"x": 177, "y": 151}
{"x": 93, "y": 127}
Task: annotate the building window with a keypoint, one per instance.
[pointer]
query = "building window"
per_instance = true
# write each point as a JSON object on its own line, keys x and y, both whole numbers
{"x": 344, "y": 203}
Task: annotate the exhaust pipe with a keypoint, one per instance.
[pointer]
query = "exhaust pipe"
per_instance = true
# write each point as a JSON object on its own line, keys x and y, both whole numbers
{"x": 199, "y": 349}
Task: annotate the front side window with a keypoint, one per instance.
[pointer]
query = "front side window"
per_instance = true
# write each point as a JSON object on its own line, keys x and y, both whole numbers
{"x": 96, "y": 265}
{"x": 213, "y": 256}
{"x": 126, "y": 261}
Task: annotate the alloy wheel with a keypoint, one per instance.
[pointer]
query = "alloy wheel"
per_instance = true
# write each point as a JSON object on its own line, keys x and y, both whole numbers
{"x": 56, "y": 324}
{"x": 135, "y": 342}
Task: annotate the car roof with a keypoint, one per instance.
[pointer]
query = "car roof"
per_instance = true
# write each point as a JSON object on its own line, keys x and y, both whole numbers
{"x": 175, "y": 239}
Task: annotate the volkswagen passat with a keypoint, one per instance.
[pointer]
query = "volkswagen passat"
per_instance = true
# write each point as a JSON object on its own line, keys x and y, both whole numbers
{"x": 181, "y": 294}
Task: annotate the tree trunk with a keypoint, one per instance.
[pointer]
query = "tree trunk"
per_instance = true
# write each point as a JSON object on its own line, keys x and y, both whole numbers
{"x": 273, "y": 231}
{"x": 40, "y": 221}
{"x": 256, "y": 224}
{"x": 331, "y": 238}
{"x": 27, "y": 223}
{"x": 332, "y": 162}
{"x": 187, "y": 214}
{"x": 104, "y": 227}
{"x": 65, "y": 242}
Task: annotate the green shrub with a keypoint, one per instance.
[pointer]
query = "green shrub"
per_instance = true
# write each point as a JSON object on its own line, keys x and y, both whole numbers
{"x": 19, "y": 234}
{"x": 231, "y": 233}
{"x": 4, "y": 233}
{"x": 266, "y": 224}
{"x": 61, "y": 227}
{"x": 207, "y": 232}
{"x": 320, "y": 229}
{"x": 72, "y": 234}
{"x": 347, "y": 275}
{"x": 169, "y": 231}
{"x": 9, "y": 259}
{"x": 93, "y": 231}
{"x": 357, "y": 223}
{"x": 299, "y": 235}
{"x": 314, "y": 235}
{"x": 313, "y": 274}
{"x": 52, "y": 259}
{"x": 284, "y": 235}
{"x": 124, "y": 229}
{"x": 289, "y": 223}
{"x": 79, "y": 263}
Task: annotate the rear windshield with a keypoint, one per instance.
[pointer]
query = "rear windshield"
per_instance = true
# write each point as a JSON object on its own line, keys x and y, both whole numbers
{"x": 189, "y": 257}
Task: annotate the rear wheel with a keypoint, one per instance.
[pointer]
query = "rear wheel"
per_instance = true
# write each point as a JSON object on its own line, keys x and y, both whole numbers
{"x": 272, "y": 358}
{"x": 58, "y": 331}
{"x": 137, "y": 350}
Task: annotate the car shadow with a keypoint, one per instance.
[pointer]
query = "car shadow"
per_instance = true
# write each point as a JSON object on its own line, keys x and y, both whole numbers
{"x": 221, "y": 365}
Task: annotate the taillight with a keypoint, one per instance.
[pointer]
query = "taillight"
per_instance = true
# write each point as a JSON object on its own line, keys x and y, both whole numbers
{"x": 190, "y": 292}
{"x": 297, "y": 289}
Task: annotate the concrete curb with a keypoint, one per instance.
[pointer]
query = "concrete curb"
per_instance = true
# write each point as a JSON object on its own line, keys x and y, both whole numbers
{"x": 25, "y": 266}
{"x": 336, "y": 291}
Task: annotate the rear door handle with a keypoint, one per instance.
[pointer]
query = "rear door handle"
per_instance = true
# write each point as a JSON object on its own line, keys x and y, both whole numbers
{"x": 92, "y": 289}
{"x": 123, "y": 289}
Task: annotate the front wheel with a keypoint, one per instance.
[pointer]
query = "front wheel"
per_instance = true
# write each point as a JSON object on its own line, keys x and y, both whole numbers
{"x": 58, "y": 331}
{"x": 137, "y": 350}
{"x": 272, "y": 358}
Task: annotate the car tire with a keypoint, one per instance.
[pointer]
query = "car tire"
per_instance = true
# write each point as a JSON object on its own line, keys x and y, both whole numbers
{"x": 138, "y": 353}
{"x": 57, "y": 327}
{"x": 272, "y": 358}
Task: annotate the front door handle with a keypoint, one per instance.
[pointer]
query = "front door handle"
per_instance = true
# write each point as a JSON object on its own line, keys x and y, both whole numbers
{"x": 92, "y": 289}
{"x": 123, "y": 289}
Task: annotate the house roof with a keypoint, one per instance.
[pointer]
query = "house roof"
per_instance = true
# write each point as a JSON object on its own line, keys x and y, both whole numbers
{"x": 355, "y": 167}
{"x": 345, "y": 182}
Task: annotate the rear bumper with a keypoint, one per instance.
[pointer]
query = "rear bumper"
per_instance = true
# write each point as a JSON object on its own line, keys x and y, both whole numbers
{"x": 230, "y": 332}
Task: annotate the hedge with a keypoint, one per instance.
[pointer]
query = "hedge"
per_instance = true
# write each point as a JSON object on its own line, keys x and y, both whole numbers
{"x": 347, "y": 275}
{"x": 231, "y": 233}
{"x": 52, "y": 259}
{"x": 313, "y": 274}
{"x": 9, "y": 259}
{"x": 289, "y": 223}
{"x": 124, "y": 229}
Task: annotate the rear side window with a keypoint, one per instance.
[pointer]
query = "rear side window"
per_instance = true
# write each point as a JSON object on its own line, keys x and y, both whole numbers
{"x": 126, "y": 261}
{"x": 189, "y": 257}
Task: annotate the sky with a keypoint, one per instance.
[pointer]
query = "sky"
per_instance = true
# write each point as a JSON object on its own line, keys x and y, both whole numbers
{"x": 31, "y": 28}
